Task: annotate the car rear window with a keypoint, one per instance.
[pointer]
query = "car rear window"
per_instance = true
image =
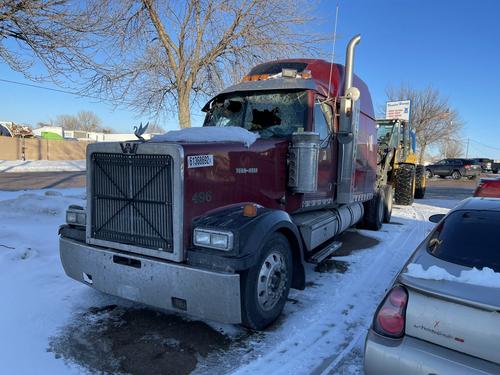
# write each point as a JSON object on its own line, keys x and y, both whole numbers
{"x": 468, "y": 238}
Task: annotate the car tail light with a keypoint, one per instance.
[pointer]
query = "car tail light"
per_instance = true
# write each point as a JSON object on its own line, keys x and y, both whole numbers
{"x": 391, "y": 315}
{"x": 468, "y": 166}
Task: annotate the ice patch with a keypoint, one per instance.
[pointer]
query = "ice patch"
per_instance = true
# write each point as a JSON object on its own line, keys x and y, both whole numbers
{"x": 209, "y": 134}
{"x": 483, "y": 277}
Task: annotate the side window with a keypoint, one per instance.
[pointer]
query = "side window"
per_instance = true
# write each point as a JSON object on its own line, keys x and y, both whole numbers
{"x": 322, "y": 114}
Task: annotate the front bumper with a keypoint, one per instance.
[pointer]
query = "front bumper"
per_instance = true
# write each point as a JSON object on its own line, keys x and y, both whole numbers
{"x": 411, "y": 356}
{"x": 159, "y": 283}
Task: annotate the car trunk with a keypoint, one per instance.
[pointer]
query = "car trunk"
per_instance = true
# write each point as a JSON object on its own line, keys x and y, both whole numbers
{"x": 462, "y": 317}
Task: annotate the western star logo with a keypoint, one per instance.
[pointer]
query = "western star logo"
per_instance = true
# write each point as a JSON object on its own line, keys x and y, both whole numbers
{"x": 128, "y": 148}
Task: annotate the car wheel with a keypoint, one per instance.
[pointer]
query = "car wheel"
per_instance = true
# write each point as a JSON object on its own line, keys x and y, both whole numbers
{"x": 265, "y": 286}
{"x": 456, "y": 175}
{"x": 428, "y": 173}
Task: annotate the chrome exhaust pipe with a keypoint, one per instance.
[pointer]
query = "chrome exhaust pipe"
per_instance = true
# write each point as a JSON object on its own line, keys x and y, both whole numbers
{"x": 349, "y": 62}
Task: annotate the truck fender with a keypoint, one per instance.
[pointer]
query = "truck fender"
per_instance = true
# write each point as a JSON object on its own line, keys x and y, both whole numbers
{"x": 251, "y": 234}
{"x": 254, "y": 236}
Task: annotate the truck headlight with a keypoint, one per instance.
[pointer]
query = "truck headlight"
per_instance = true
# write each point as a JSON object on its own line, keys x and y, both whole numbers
{"x": 214, "y": 239}
{"x": 76, "y": 215}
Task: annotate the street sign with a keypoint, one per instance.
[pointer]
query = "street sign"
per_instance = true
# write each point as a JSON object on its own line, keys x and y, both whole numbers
{"x": 399, "y": 110}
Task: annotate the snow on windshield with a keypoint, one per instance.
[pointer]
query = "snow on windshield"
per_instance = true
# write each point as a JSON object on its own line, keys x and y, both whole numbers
{"x": 483, "y": 277}
{"x": 208, "y": 134}
{"x": 270, "y": 114}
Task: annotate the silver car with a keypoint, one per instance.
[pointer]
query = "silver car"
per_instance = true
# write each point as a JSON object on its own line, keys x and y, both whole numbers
{"x": 442, "y": 316}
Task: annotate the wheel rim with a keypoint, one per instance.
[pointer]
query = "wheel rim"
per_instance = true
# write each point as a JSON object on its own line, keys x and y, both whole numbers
{"x": 455, "y": 175}
{"x": 272, "y": 281}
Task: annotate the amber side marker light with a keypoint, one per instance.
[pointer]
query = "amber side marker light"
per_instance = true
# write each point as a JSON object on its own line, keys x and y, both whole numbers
{"x": 249, "y": 210}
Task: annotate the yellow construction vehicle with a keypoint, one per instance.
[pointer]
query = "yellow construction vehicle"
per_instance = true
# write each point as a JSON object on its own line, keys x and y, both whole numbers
{"x": 397, "y": 162}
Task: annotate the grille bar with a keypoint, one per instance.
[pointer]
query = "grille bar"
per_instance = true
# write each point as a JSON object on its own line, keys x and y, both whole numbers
{"x": 132, "y": 200}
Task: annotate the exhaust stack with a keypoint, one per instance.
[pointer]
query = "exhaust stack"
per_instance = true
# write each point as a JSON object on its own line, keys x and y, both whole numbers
{"x": 348, "y": 131}
{"x": 349, "y": 62}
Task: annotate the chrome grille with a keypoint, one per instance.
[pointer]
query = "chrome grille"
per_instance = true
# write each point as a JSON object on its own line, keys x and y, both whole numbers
{"x": 132, "y": 200}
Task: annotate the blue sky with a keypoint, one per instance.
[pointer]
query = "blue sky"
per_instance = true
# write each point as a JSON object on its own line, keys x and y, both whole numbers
{"x": 452, "y": 45}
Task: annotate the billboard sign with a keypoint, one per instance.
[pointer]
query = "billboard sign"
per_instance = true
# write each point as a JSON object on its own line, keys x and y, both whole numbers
{"x": 399, "y": 110}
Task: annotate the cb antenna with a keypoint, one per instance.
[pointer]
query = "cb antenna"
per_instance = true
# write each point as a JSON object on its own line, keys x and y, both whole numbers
{"x": 333, "y": 48}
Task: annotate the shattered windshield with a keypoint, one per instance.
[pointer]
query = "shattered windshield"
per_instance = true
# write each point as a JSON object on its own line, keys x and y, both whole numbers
{"x": 275, "y": 114}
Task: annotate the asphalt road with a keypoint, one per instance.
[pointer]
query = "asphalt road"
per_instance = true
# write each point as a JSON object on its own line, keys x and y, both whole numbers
{"x": 41, "y": 180}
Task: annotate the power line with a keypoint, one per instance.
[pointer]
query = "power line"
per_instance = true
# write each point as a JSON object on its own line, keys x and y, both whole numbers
{"x": 49, "y": 89}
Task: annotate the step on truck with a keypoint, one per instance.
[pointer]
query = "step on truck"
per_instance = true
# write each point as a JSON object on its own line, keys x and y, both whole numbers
{"x": 218, "y": 226}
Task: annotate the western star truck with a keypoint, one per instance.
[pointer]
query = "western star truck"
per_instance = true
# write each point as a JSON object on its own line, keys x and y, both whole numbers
{"x": 219, "y": 227}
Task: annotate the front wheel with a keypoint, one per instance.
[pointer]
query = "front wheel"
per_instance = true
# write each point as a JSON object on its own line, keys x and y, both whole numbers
{"x": 428, "y": 173}
{"x": 265, "y": 286}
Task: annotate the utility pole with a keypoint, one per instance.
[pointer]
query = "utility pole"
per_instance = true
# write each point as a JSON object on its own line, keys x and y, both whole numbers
{"x": 467, "y": 150}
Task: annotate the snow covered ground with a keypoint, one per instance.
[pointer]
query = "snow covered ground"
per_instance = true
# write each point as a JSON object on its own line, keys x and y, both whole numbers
{"x": 42, "y": 165}
{"x": 322, "y": 330}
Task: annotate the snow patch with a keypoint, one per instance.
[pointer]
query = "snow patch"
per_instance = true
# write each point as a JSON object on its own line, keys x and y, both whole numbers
{"x": 209, "y": 134}
{"x": 483, "y": 277}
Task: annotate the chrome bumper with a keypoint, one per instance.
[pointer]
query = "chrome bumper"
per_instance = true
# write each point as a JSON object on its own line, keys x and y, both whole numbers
{"x": 159, "y": 283}
{"x": 411, "y": 356}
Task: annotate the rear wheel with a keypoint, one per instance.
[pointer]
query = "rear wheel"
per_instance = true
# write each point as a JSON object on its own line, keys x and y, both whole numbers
{"x": 388, "y": 203}
{"x": 265, "y": 286}
{"x": 404, "y": 187}
{"x": 374, "y": 211}
{"x": 420, "y": 182}
{"x": 456, "y": 175}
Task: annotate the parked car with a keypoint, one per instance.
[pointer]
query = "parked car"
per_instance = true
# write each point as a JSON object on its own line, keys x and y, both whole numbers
{"x": 486, "y": 164}
{"x": 456, "y": 168}
{"x": 488, "y": 187}
{"x": 495, "y": 166}
{"x": 441, "y": 316}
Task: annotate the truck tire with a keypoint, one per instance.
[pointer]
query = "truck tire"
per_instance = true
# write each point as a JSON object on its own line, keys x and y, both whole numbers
{"x": 265, "y": 286}
{"x": 388, "y": 203}
{"x": 374, "y": 211}
{"x": 420, "y": 183}
{"x": 404, "y": 184}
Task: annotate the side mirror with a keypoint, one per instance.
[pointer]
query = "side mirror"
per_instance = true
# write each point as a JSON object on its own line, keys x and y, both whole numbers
{"x": 436, "y": 218}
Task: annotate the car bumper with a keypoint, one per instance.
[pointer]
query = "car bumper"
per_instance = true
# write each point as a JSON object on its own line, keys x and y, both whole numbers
{"x": 470, "y": 173}
{"x": 411, "y": 356}
{"x": 162, "y": 284}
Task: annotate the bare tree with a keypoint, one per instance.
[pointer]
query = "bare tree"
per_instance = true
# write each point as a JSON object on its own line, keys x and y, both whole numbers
{"x": 431, "y": 117}
{"x": 84, "y": 120}
{"x": 154, "y": 128}
{"x": 451, "y": 148}
{"x": 51, "y": 32}
{"x": 162, "y": 56}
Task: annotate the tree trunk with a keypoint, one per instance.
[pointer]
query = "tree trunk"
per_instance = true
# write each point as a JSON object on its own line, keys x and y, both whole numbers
{"x": 421, "y": 154}
{"x": 184, "y": 113}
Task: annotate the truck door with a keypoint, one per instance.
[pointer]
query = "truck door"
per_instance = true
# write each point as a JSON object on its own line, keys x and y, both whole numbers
{"x": 323, "y": 124}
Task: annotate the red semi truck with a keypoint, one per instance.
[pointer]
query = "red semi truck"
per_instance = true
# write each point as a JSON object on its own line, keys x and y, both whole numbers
{"x": 220, "y": 229}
